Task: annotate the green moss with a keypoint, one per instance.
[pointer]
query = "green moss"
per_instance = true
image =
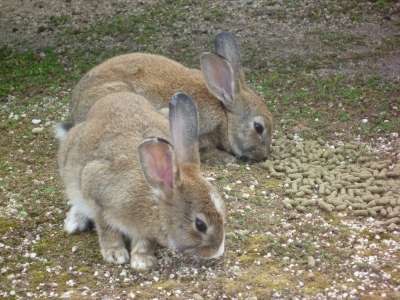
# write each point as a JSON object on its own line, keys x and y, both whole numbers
{"x": 316, "y": 284}
{"x": 267, "y": 276}
{"x": 272, "y": 183}
{"x": 256, "y": 242}
{"x": 7, "y": 225}
{"x": 246, "y": 259}
{"x": 37, "y": 277}
{"x": 61, "y": 280}
{"x": 168, "y": 284}
{"x": 262, "y": 279}
{"x": 84, "y": 269}
{"x": 49, "y": 244}
{"x": 38, "y": 274}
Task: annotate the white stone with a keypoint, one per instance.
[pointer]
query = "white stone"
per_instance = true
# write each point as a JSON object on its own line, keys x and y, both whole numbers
{"x": 37, "y": 130}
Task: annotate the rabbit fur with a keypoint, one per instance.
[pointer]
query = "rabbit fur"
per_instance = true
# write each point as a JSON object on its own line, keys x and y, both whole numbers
{"x": 234, "y": 120}
{"x": 136, "y": 174}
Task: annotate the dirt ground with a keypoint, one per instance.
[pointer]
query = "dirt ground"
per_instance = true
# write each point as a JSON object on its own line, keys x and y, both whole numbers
{"x": 329, "y": 71}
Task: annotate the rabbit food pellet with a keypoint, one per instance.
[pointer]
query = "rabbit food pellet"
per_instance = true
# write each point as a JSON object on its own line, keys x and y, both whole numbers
{"x": 337, "y": 178}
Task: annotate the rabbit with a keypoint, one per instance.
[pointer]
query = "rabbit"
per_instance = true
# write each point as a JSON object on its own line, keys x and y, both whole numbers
{"x": 134, "y": 175}
{"x": 234, "y": 120}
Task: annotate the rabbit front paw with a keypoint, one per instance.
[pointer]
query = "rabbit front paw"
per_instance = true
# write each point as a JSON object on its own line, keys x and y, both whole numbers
{"x": 142, "y": 262}
{"x": 115, "y": 255}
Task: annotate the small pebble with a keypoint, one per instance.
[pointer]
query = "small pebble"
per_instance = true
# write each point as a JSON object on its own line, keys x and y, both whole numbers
{"x": 197, "y": 297}
{"x": 311, "y": 262}
{"x": 37, "y": 130}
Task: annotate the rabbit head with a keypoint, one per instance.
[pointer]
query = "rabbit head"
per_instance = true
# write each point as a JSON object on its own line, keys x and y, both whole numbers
{"x": 249, "y": 123}
{"x": 192, "y": 213}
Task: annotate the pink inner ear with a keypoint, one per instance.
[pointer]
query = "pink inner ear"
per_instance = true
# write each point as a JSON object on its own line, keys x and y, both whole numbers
{"x": 160, "y": 164}
{"x": 223, "y": 77}
{"x": 165, "y": 171}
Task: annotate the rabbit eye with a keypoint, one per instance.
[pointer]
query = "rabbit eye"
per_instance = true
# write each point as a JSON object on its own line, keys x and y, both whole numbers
{"x": 258, "y": 128}
{"x": 200, "y": 225}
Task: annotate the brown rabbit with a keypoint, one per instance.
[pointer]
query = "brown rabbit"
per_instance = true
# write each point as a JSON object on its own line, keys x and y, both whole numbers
{"x": 233, "y": 118}
{"x": 121, "y": 172}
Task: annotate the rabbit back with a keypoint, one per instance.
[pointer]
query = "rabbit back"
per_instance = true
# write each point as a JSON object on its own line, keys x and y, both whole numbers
{"x": 155, "y": 77}
{"x": 99, "y": 163}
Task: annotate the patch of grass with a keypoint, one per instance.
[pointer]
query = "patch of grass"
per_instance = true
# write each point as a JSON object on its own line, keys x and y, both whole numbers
{"x": 128, "y": 25}
{"x": 383, "y": 4}
{"x": 384, "y": 125}
{"x": 49, "y": 244}
{"x": 7, "y": 224}
{"x": 144, "y": 29}
{"x": 339, "y": 40}
{"x": 37, "y": 275}
{"x": 29, "y": 71}
{"x": 5, "y": 166}
{"x": 139, "y": 32}
{"x": 391, "y": 43}
{"x": 215, "y": 14}
{"x": 319, "y": 102}
{"x": 344, "y": 116}
{"x": 352, "y": 94}
{"x": 353, "y": 9}
{"x": 59, "y": 20}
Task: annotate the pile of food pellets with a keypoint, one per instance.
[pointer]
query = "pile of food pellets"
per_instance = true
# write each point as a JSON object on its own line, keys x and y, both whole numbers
{"x": 341, "y": 177}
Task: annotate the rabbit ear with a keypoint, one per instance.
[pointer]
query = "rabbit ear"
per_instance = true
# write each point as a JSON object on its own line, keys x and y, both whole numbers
{"x": 184, "y": 126}
{"x": 226, "y": 45}
{"x": 157, "y": 160}
{"x": 219, "y": 77}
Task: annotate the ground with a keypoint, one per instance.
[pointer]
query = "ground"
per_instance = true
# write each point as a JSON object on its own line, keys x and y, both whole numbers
{"x": 328, "y": 70}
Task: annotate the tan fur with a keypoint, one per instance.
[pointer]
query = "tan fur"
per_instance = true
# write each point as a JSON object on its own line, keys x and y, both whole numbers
{"x": 157, "y": 78}
{"x": 99, "y": 161}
